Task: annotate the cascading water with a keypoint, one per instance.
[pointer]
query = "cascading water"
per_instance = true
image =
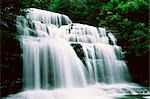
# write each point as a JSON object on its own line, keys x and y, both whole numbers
{"x": 65, "y": 60}
{"x": 103, "y": 61}
{"x": 47, "y": 17}
{"x": 48, "y": 60}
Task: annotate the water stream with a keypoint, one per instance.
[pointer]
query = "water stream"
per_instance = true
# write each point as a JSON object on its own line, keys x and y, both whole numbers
{"x": 65, "y": 60}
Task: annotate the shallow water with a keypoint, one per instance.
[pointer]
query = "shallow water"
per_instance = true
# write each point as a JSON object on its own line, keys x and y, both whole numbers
{"x": 97, "y": 91}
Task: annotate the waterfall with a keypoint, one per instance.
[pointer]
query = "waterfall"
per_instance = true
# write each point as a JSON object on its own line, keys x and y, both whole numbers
{"x": 47, "y": 17}
{"x": 50, "y": 61}
{"x": 104, "y": 62}
{"x": 65, "y": 60}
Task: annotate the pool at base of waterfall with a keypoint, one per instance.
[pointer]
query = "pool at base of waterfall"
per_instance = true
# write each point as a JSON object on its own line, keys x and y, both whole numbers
{"x": 97, "y": 91}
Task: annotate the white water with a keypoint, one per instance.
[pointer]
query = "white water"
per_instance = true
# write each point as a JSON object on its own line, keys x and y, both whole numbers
{"x": 53, "y": 70}
{"x": 47, "y": 17}
{"x": 50, "y": 62}
{"x": 104, "y": 61}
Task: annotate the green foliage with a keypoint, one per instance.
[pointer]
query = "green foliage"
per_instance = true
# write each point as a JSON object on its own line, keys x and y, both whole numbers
{"x": 83, "y": 11}
{"x": 60, "y": 6}
{"x": 54, "y": 5}
{"x": 9, "y": 10}
{"x": 131, "y": 19}
{"x": 41, "y": 4}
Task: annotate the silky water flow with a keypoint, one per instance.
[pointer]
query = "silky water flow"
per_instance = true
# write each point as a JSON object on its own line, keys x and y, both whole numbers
{"x": 65, "y": 60}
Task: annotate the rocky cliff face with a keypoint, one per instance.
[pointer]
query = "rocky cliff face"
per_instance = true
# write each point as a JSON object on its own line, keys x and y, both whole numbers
{"x": 10, "y": 66}
{"x": 10, "y": 57}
